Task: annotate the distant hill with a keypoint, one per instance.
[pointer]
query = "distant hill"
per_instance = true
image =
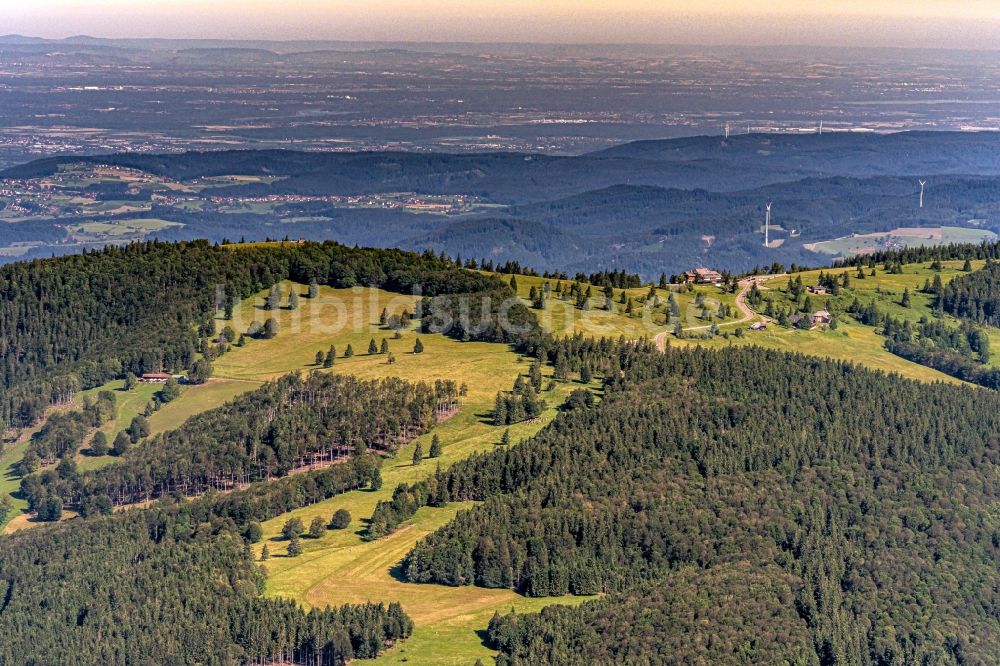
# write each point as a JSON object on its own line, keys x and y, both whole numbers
{"x": 648, "y": 206}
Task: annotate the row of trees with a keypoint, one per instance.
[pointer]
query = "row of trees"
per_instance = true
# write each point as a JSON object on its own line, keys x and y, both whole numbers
{"x": 288, "y": 424}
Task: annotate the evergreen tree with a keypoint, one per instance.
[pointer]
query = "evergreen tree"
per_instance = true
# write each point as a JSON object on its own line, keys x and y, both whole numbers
{"x": 99, "y": 444}
{"x": 121, "y": 444}
{"x": 372, "y": 348}
{"x": 30, "y": 461}
{"x": 265, "y": 554}
{"x": 200, "y": 372}
{"x": 349, "y": 352}
{"x": 384, "y": 348}
{"x": 254, "y": 532}
{"x": 138, "y": 429}
{"x": 418, "y": 454}
{"x": 170, "y": 391}
{"x": 505, "y": 437}
{"x": 319, "y": 358}
{"x": 313, "y": 289}
{"x": 435, "y": 451}
{"x": 293, "y": 299}
{"x": 330, "y": 358}
{"x": 418, "y": 347}
{"x": 273, "y": 301}
{"x": 294, "y": 546}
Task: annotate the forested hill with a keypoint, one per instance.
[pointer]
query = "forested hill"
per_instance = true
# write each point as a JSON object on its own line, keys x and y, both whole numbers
{"x": 838, "y": 153}
{"x": 78, "y": 321}
{"x": 707, "y": 162}
{"x": 856, "y": 505}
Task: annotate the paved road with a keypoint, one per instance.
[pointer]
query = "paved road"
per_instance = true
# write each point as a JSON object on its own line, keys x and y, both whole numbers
{"x": 741, "y": 305}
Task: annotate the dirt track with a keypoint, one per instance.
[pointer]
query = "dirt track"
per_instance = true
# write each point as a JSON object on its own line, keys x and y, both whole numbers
{"x": 741, "y": 304}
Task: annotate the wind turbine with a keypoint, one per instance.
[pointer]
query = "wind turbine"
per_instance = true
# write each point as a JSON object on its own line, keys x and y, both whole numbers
{"x": 767, "y": 225}
{"x": 922, "y": 183}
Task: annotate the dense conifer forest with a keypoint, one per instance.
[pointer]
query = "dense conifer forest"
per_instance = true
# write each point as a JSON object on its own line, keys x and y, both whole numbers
{"x": 976, "y": 296}
{"x": 868, "y": 539}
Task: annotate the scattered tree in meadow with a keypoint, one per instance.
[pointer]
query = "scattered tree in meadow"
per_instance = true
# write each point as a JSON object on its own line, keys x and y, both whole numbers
{"x": 138, "y": 429}
{"x": 121, "y": 444}
{"x": 293, "y": 527}
{"x": 317, "y": 527}
{"x": 435, "y": 451}
{"x": 270, "y": 329}
{"x": 341, "y": 519}
{"x": 294, "y": 546}
{"x": 273, "y": 301}
{"x": 170, "y": 391}
{"x": 99, "y": 444}
{"x": 372, "y": 347}
{"x": 418, "y": 454}
{"x": 418, "y": 347}
{"x": 200, "y": 372}
{"x": 254, "y": 532}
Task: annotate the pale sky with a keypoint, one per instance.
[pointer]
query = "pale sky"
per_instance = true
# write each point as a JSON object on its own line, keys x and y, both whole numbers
{"x": 933, "y": 23}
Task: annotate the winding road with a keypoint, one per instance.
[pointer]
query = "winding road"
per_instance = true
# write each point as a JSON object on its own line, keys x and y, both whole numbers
{"x": 741, "y": 304}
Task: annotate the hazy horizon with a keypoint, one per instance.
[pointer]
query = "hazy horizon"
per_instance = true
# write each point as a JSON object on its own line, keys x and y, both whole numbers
{"x": 974, "y": 24}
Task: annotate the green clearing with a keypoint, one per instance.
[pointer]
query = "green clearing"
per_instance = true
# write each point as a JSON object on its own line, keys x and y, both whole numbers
{"x": 119, "y": 228}
{"x": 564, "y": 318}
{"x": 853, "y": 341}
{"x": 848, "y": 246}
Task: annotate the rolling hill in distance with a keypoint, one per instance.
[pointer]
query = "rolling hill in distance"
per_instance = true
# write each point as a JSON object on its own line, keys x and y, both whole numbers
{"x": 644, "y": 207}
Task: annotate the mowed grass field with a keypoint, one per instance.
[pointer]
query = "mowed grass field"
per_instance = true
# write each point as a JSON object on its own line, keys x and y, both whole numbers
{"x": 847, "y": 246}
